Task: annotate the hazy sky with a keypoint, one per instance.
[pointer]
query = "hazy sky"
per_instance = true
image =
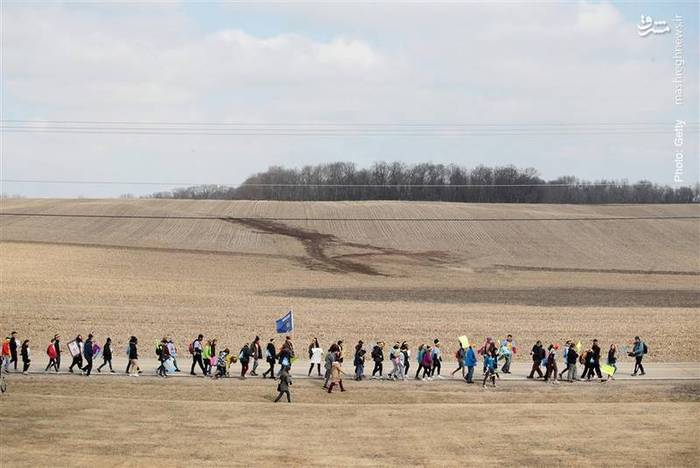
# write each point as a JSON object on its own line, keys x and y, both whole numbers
{"x": 358, "y": 64}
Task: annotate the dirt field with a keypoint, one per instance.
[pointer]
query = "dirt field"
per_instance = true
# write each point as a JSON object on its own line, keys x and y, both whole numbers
{"x": 536, "y": 271}
{"x": 182, "y": 422}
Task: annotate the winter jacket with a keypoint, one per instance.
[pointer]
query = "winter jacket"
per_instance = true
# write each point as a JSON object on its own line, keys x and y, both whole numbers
{"x": 271, "y": 353}
{"x": 470, "y": 358}
{"x": 26, "y": 354}
{"x": 285, "y": 381}
{"x": 244, "y": 355}
{"x": 133, "y": 352}
{"x": 571, "y": 356}
{"x": 87, "y": 349}
{"x": 107, "y": 351}
{"x": 538, "y": 353}
{"x": 377, "y": 354}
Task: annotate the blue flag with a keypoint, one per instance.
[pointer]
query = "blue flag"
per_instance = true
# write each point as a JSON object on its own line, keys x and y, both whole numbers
{"x": 286, "y": 323}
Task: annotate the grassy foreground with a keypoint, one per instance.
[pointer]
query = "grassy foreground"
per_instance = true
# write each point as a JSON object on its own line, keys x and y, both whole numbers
{"x": 60, "y": 420}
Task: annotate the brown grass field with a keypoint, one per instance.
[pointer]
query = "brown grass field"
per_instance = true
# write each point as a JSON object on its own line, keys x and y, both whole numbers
{"x": 374, "y": 270}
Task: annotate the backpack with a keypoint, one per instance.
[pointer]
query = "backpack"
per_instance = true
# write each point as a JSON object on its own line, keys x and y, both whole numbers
{"x": 645, "y": 348}
{"x": 159, "y": 349}
{"x": 51, "y": 351}
{"x": 190, "y": 348}
{"x": 375, "y": 352}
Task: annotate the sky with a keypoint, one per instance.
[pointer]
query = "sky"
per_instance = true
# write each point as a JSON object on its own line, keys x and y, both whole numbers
{"x": 569, "y": 88}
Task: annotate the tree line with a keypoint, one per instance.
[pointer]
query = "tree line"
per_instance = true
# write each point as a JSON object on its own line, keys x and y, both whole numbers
{"x": 432, "y": 182}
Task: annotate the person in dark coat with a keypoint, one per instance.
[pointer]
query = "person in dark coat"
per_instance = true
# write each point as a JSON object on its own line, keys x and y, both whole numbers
{"x": 106, "y": 355}
{"x": 538, "y": 354}
{"x": 283, "y": 386}
{"x": 133, "y": 358}
{"x": 595, "y": 361}
{"x": 378, "y": 358}
{"x": 87, "y": 352}
{"x": 26, "y": 356}
{"x": 244, "y": 358}
{"x": 78, "y": 358}
{"x": 13, "y": 349}
{"x": 271, "y": 358}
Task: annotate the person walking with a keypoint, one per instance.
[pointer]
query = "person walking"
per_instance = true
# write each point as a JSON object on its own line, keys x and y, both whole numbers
{"x": 428, "y": 363}
{"x": 106, "y": 356}
{"x": 172, "y": 350}
{"x": 271, "y": 358}
{"x": 222, "y": 363}
{"x": 206, "y": 356}
{"x": 340, "y": 357}
{"x": 57, "y": 345}
{"x": 538, "y": 354}
{"x": 288, "y": 346}
{"x": 26, "y": 356}
{"x": 564, "y": 353}
{"x": 406, "y": 358}
{"x": 283, "y": 385}
{"x": 460, "y": 357}
{"x": 244, "y": 358}
{"x": 585, "y": 359}
{"x": 378, "y": 358}
{"x": 638, "y": 351}
{"x": 508, "y": 351}
{"x": 595, "y": 360}
{"x": 470, "y": 362}
{"x": 14, "y": 345}
{"x": 437, "y": 359}
{"x": 133, "y": 355}
{"x": 315, "y": 356}
{"x": 419, "y": 359}
{"x": 196, "y": 351}
{"x": 88, "y": 353}
{"x": 571, "y": 359}
{"x": 5, "y": 355}
{"x": 396, "y": 358}
{"x": 51, "y": 353}
{"x": 552, "y": 364}
{"x": 256, "y": 354}
{"x": 359, "y": 361}
{"x": 163, "y": 355}
{"x": 78, "y": 356}
{"x": 331, "y": 357}
{"x": 491, "y": 364}
{"x": 336, "y": 375}
{"x": 612, "y": 360}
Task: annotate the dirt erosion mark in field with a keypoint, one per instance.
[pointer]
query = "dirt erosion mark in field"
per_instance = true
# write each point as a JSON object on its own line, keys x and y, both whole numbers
{"x": 317, "y": 246}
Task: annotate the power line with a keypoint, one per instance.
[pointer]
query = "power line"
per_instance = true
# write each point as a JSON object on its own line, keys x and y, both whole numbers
{"x": 330, "y": 129}
{"x": 266, "y": 218}
{"x": 326, "y": 123}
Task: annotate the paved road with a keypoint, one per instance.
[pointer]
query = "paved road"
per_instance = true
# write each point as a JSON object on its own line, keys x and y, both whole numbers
{"x": 655, "y": 370}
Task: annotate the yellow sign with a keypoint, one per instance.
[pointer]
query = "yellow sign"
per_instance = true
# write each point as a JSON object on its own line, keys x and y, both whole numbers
{"x": 464, "y": 341}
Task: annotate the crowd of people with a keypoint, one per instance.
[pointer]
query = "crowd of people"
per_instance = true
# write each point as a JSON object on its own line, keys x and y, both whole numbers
{"x": 211, "y": 360}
